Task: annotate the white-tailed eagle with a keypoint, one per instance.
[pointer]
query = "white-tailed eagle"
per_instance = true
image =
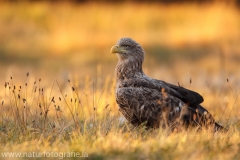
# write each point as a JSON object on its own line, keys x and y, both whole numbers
{"x": 155, "y": 103}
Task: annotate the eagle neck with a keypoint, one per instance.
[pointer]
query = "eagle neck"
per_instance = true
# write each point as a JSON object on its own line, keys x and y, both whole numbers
{"x": 127, "y": 69}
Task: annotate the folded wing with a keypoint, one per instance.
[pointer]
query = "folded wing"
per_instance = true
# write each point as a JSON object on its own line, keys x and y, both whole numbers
{"x": 187, "y": 96}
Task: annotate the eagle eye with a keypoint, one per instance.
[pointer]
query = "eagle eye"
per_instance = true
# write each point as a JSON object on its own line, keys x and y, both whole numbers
{"x": 125, "y": 46}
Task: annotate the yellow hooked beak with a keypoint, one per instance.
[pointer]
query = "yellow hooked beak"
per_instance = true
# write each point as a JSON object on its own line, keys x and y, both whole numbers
{"x": 117, "y": 49}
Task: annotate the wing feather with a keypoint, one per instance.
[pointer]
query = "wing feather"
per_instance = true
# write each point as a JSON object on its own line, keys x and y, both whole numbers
{"x": 187, "y": 96}
{"x": 152, "y": 107}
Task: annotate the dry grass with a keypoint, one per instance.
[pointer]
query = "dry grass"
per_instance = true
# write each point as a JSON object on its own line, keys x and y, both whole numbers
{"x": 68, "y": 101}
{"x": 83, "y": 116}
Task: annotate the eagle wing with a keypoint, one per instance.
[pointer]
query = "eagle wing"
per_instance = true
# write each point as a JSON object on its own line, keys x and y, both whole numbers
{"x": 187, "y": 96}
{"x": 142, "y": 104}
{"x": 159, "y": 103}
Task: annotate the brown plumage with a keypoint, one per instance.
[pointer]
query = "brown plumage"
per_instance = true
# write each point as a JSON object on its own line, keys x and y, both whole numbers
{"x": 156, "y": 103}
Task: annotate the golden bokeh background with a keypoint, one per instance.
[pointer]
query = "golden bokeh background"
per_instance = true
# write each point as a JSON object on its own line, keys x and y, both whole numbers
{"x": 66, "y": 102}
{"x": 76, "y": 37}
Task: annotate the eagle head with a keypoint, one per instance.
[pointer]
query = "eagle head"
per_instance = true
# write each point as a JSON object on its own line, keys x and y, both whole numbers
{"x": 128, "y": 49}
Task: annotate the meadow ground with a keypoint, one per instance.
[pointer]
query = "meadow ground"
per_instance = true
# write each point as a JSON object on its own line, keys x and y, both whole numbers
{"x": 57, "y": 97}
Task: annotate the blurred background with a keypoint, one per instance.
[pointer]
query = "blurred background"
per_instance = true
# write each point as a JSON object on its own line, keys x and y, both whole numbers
{"x": 197, "y": 40}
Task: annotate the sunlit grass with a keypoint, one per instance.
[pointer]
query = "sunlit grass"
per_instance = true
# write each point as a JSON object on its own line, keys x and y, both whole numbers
{"x": 83, "y": 116}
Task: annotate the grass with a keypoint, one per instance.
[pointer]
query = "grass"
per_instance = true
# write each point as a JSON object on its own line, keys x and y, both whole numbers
{"x": 83, "y": 117}
{"x": 66, "y": 103}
